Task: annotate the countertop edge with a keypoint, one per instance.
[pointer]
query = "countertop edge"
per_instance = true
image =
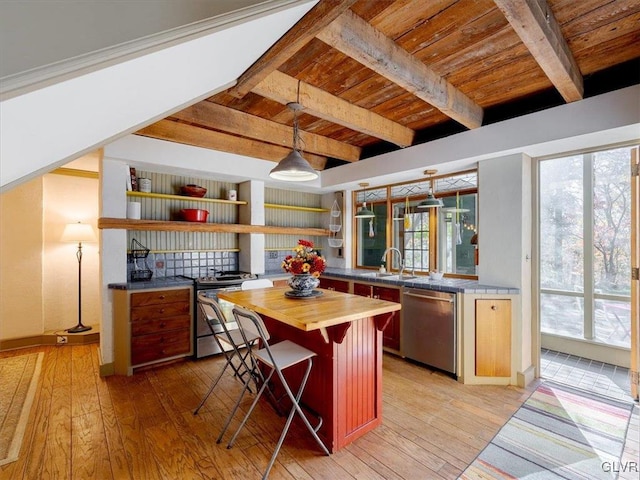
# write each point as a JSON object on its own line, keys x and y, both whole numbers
{"x": 451, "y": 285}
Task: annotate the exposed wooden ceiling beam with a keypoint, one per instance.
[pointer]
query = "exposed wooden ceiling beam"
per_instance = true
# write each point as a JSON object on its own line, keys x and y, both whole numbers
{"x": 356, "y": 38}
{"x": 174, "y": 131}
{"x": 212, "y": 115}
{"x": 297, "y": 37}
{"x": 539, "y": 30}
{"x": 283, "y": 89}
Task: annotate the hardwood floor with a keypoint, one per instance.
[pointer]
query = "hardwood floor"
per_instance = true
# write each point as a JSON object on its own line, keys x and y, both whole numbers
{"x": 142, "y": 427}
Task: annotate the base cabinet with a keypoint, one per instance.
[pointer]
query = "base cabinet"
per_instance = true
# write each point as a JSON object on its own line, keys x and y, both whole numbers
{"x": 334, "y": 284}
{"x": 493, "y": 338}
{"x": 151, "y": 326}
{"x": 391, "y": 333}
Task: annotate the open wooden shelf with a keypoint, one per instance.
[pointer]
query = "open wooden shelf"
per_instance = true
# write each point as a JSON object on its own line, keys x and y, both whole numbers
{"x": 293, "y": 207}
{"x": 184, "y": 198}
{"x": 168, "y": 226}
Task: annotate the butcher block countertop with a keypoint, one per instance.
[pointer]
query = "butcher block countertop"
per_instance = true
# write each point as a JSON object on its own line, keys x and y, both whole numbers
{"x": 330, "y": 309}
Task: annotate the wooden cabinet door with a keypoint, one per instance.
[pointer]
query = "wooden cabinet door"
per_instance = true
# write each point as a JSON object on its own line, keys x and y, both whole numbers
{"x": 333, "y": 284}
{"x": 363, "y": 289}
{"x": 493, "y": 338}
{"x": 391, "y": 334}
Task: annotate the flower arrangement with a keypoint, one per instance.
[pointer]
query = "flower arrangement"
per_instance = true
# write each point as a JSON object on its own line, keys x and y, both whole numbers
{"x": 305, "y": 260}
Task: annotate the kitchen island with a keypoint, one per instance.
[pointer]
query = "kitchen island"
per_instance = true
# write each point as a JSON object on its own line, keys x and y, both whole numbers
{"x": 345, "y": 385}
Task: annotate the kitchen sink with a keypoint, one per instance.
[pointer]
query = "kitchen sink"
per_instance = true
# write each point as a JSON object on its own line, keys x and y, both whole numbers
{"x": 401, "y": 277}
{"x": 388, "y": 276}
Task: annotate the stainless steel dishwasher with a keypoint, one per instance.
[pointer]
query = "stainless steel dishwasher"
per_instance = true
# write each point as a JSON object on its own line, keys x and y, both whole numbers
{"x": 429, "y": 328}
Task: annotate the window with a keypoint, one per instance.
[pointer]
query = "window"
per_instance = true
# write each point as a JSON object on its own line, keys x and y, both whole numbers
{"x": 429, "y": 239}
{"x": 585, "y": 246}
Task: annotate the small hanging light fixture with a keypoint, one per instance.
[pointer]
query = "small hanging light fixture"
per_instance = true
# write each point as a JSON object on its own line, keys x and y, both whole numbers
{"x": 431, "y": 201}
{"x": 364, "y": 212}
{"x": 294, "y": 167}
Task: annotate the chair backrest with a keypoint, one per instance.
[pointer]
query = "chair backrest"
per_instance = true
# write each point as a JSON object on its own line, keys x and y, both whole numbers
{"x": 259, "y": 283}
{"x": 211, "y": 311}
{"x": 251, "y": 323}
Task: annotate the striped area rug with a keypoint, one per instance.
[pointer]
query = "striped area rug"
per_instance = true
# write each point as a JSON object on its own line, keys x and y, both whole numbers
{"x": 559, "y": 432}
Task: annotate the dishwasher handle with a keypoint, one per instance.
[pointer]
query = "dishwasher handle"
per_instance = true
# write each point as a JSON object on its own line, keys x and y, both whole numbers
{"x": 428, "y": 297}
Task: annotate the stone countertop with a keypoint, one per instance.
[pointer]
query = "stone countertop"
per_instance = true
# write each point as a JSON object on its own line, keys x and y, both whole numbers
{"x": 159, "y": 282}
{"x": 451, "y": 285}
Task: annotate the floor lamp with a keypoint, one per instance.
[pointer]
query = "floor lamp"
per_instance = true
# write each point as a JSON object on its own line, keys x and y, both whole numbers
{"x": 78, "y": 232}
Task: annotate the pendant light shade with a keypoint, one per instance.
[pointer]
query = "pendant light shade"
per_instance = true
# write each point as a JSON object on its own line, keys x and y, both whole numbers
{"x": 364, "y": 212}
{"x": 431, "y": 201}
{"x": 293, "y": 167}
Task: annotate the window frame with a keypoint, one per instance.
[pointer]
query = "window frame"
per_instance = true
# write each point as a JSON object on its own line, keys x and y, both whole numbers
{"x": 433, "y": 219}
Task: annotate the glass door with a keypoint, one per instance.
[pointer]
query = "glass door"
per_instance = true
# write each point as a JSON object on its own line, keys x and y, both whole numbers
{"x": 585, "y": 247}
{"x": 635, "y": 275}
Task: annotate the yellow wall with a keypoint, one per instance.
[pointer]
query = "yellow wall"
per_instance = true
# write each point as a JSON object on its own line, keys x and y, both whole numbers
{"x": 21, "y": 307}
{"x": 69, "y": 199}
{"x": 39, "y": 273}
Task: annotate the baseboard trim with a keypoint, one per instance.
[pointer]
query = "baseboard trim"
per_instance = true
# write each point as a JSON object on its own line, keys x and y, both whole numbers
{"x": 107, "y": 369}
{"x": 526, "y": 377}
{"x": 49, "y": 339}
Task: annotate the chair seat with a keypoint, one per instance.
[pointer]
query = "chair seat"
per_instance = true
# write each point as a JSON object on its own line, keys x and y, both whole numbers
{"x": 236, "y": 337}
{"x": 285, "y": 354}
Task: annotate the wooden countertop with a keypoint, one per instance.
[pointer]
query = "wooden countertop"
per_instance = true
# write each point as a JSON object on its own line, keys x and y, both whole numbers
{"x": 330, "y": 309}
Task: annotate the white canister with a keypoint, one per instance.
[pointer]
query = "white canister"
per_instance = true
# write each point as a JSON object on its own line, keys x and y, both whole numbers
{"x": 133, "y": 210}
{"x": 232, "y": 195}
{"x": 144, "y": 185}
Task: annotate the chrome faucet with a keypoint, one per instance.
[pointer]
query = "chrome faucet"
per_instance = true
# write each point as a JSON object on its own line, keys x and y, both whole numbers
{"x": 401, "y": 261}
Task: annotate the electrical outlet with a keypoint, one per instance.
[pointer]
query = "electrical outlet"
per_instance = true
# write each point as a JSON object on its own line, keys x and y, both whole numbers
{"x": 62, "y": 339}
{"x": 273, "y": 254}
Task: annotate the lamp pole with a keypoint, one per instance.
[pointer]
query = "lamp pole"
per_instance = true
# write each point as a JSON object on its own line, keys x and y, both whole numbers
{"x": 79, "y": 327}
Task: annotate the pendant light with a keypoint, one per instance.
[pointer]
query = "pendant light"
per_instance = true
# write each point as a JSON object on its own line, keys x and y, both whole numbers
{"x": 431, "y": 201}
{"x": 364, "y": 212}
{"x": 293, "y": 167}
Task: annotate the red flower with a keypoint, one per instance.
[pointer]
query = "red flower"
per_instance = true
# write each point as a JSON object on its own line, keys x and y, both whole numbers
{"x": 306, "y": 260}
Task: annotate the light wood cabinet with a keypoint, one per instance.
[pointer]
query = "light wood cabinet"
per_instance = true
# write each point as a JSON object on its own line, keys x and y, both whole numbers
{"x": 493, "y": 338}
{"x": 151, "y": 326}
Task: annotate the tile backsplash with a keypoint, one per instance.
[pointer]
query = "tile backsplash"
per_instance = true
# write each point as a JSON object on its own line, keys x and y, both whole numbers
{"x": 273, "y": 259}
{"x": 190, "y": 264}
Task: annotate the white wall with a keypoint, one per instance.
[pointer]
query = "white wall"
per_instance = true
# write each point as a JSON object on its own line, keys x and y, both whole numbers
{"x": 49, "y": 32}
{"x": 47, "y": 127}
{"x": 504, "y": 240}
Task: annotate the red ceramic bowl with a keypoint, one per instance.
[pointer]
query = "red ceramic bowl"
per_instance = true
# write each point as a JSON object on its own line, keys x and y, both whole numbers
{"x": 192, "y": 190}
{"x": 194, "y": 215}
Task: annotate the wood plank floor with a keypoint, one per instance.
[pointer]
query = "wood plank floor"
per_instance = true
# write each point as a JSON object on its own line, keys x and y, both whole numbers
{"x": 142, "y": 427}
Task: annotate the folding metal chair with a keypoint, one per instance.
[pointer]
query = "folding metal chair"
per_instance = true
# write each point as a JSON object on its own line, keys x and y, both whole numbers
{"x": 228, "y": 337}
{"x": 276, "y": 358}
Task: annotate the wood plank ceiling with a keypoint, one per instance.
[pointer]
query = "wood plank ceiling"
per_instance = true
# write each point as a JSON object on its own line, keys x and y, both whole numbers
{"x": 377, "y": 75}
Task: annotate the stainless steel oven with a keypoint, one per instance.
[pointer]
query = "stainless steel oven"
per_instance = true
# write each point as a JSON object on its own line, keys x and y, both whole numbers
{"x": 204, "y": 343}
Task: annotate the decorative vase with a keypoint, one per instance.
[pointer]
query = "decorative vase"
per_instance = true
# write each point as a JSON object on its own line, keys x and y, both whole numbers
{"x": 303, "y": 284}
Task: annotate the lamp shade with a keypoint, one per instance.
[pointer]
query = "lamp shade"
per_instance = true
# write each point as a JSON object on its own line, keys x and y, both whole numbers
{"x": 293, "y": 168}
{"x": 431, "y": 202}
{"x": 78, "y": 233}
{"x": 364, "y": 212}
